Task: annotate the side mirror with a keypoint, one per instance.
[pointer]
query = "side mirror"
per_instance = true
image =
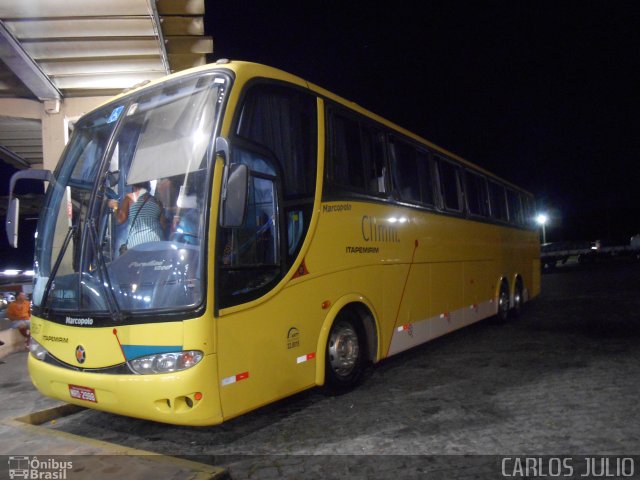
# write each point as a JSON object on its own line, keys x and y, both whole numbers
{"x": 234, "y": 205}
{"x": 13, "y": 210}
{"x": 42, "y": 175}
{"x": 11, "y": 225}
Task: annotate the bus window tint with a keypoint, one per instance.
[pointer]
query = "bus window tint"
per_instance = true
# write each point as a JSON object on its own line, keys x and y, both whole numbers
{"x": 425, "y": 176}
{"x": 258, "y": 238}
{"x": 498, "y": 201}
{"x": 449, "y": 185}
{"x": 347, "y": 168}
{"x": 284, "y": 121}
{"x": 373, "y": 142}
{"x": 411, "y": 172}
{"x": 529, "y": 211}
{"x": 357, "y": 160}
{"x": 477, "y": 196}
{"x": 250, "y": 254}
{"x": 515, "y": 207}
{"x": 404, "y": 169}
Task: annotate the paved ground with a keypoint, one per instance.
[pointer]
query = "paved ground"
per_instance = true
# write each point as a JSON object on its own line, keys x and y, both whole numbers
{"x": 561, "y": 380}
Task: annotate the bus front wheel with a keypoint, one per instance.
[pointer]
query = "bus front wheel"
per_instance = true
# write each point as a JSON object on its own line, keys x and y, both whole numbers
{"x": 345, "y": 355}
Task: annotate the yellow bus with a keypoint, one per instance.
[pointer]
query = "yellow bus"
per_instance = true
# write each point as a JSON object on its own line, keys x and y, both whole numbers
{"x": 290, "y": 239}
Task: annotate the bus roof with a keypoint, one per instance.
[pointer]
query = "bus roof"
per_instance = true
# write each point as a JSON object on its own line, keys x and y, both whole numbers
{"x": 251, "y": 70}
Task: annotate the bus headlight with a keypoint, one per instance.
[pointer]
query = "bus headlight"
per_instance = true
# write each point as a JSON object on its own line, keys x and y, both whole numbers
{"x": 165, "y": 362}
{"x": 37, "y": 350}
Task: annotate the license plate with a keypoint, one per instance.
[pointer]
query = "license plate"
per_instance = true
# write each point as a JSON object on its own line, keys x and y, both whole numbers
{"x": 83, "y": 393}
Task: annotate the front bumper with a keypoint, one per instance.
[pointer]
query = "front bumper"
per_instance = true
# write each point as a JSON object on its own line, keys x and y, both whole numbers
{"x": 168, "y": 398}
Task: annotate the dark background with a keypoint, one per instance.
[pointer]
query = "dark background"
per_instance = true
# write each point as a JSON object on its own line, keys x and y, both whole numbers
{"x": 542, "y": 93}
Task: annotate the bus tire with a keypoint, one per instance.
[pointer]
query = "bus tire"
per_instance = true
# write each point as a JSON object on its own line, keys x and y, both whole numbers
{"x": 503, "y": 303}
{"x": 518, "y": 299}
{"x": 345, "y": 354}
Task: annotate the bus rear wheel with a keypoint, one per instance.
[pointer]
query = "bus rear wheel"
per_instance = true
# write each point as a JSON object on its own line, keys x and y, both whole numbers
{"x": 503, "y": 303}
{"x": 345, "y": 355}
{"x": 518, "y": 299}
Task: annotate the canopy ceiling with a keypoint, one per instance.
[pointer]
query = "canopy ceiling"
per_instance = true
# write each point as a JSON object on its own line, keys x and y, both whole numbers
{"x": 56, "y": 49}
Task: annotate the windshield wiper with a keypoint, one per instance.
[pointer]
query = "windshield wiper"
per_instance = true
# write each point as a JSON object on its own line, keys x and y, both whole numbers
{"x": 112, "y": 301}
{"x": 56, "y": 266}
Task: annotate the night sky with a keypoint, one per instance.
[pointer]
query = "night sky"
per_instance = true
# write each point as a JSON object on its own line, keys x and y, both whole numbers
{"x": 542, "y": 93}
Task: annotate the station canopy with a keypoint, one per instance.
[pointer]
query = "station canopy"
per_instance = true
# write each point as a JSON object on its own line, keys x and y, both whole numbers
{"x": 55, "y": 49}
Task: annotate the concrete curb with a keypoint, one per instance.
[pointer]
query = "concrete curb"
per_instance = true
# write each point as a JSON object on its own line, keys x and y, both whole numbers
{"x": 94, "y": 459}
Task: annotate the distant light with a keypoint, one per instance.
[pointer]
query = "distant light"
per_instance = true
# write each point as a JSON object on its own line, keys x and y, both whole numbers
{"x": 11, "y": 272}
{"x": 30, "y": 273}
{"x": 541, "y": 219}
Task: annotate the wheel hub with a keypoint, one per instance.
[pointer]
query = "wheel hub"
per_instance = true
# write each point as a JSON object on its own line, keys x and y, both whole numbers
{"x": 343, "y": 350}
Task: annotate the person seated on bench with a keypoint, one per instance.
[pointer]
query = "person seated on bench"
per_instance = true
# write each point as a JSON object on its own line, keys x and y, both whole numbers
{"x": 19, "y": 312}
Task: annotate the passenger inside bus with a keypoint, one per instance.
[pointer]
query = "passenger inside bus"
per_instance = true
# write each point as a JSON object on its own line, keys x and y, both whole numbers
{"x": 145, "y": 212}
{"x": 166, "y": 193}
{"x": 187, "y": 228}
{"x": 188, "y": 211}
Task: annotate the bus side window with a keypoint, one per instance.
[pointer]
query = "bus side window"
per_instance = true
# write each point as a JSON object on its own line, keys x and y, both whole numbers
{"x": 256, "y": 243}
{"x": 425, "y": 175}
{"x": 356, "y": 160}
{"x": 256, "y": 240}
{"x": 529, "y": 211}
{"x": 347, "y": 167}
{"x": 477, "y": 195}
{"x": 284, "y": 120}
{"x": 515, "y": 207}
{"x": 498, "y": 201}
{"x": 449, "y": 185}
{"x": 404, "y": 170}
{"x": 295, "y": 230}
{"x": 373, "y": 144}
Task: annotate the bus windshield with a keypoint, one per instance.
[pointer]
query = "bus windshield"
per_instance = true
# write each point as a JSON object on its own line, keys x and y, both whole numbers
{"x": 122, "y": 225}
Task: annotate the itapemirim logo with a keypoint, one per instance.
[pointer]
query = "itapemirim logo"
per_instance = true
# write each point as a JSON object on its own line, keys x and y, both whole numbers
{"x": 37, "y": 469}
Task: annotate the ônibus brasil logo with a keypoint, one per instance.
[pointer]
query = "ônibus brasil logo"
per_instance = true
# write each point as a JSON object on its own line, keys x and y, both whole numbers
{"x": 34, "y": 468}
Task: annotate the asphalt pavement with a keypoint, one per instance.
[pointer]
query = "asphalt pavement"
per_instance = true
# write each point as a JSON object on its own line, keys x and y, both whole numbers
{"x": 559, "y": 382}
